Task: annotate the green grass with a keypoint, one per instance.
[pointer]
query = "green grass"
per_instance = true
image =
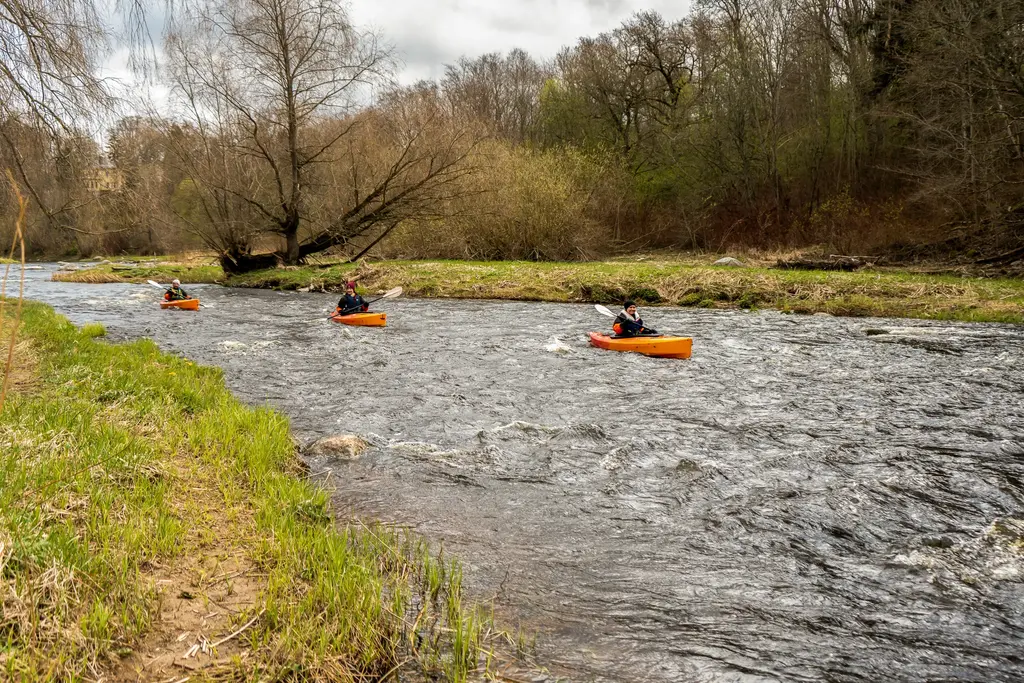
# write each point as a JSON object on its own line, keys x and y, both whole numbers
{"x": 671, "y": 282}
{"x": 120, "y": 464}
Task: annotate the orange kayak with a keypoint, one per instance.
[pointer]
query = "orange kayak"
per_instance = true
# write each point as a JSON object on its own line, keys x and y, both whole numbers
{"x": 362, "y": 319}
{"x": 184, "y": 304}
{"x": 660, "y": 346}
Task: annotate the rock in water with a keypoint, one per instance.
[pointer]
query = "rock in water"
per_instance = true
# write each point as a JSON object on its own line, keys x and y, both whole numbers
{"x": 730, "y": 261}
{"x": 346, "y": 446}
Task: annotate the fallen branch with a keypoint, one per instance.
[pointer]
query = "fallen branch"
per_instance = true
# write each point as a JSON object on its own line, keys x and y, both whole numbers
{"x": 236, "y": 633}
{"x": 843, "y": 263}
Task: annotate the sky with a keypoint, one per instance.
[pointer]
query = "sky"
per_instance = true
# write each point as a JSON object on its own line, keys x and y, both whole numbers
{"x": 428, "y": 34}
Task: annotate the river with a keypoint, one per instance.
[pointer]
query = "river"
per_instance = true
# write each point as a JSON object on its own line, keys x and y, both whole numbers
{"x": 806, "y": 499}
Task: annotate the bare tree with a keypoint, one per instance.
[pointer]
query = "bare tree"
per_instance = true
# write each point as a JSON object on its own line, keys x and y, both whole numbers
{"x": 961, "y": 90}
{"x": 48, "y": 57}
{"x": 273, "y": 70}
{"x": 632, "y": 79}
{"x": 279, "y": 91}
{"x": 502, "y": 91}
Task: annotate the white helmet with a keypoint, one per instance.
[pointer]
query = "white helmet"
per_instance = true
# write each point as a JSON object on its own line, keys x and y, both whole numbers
{"x": 175, "y": 281}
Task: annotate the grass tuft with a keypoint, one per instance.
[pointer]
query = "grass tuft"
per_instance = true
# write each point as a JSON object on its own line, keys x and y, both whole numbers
{"x": 93, "y": 330}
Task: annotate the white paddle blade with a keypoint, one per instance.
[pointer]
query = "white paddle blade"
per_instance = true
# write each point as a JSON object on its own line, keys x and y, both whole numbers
{"x": 604, "y": 311}
{"x": 156, "y": 284}
{"x": 392, "y": 293}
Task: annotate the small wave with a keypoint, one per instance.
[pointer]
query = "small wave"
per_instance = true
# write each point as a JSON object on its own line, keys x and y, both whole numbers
{"x": 523, "y": 427}
{"x": 232, "y": 345}
{"x": 519, "y": 428}
{"x": 558, "y": 346}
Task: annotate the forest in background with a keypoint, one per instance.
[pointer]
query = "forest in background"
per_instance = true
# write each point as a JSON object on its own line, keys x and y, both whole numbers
{"x": 857, "y": 125}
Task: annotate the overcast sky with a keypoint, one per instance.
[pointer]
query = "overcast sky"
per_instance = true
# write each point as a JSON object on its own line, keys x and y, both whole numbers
{"x": 428, "y": 34}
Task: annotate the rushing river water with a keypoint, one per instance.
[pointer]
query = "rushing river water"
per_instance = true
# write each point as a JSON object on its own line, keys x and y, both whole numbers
{"x": 800, "y": 501}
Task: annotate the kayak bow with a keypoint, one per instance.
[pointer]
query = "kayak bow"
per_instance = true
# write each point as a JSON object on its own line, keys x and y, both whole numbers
{"x": 659, "y": 346}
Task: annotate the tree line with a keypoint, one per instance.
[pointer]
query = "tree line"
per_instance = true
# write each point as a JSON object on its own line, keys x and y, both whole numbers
{"x": 854, "y": 124}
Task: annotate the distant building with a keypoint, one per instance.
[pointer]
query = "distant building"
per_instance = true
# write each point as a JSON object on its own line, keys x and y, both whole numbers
{"x": 103, "y": 177}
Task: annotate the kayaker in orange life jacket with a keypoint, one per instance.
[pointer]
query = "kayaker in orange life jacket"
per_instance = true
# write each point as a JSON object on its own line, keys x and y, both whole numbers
{"x": 351, "y": 302}
{"x": 176, "y": 293}
{"x": 629, "y": 324}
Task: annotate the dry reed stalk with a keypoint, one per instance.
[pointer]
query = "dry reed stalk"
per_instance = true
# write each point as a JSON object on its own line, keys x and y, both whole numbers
{"x": 19, "y": 237}
{"x": 88, "y": 277}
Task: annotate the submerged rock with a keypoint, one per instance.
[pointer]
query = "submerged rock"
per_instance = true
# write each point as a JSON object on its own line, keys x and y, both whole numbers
{"x": 347, "y": 446}
{"x": 730, "y": 261}
{"x": 938, "y": 542}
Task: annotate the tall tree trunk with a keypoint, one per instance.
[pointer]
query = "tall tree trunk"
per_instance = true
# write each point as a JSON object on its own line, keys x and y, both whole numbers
{"x": 292, "y": 253}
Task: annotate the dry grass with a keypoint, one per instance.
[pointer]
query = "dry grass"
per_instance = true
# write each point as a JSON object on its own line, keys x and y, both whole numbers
{"x": 23, "y": 372}
{"x": 90, "y": 276}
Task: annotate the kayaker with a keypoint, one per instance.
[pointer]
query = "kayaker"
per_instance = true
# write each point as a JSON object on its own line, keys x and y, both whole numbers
{"x": 176, "y": 293}
{"x": 628, "y": 322}
{"x": 352, "y": 302}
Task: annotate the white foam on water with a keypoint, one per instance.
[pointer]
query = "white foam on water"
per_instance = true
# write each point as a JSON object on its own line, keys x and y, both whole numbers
{"x": 558, "y": 346}
{"x": 231, "y": 345}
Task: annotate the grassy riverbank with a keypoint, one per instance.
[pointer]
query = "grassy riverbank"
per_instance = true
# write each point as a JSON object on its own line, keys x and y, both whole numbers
{"x": 672, "y": 282}
{"x": 146, "y": 514}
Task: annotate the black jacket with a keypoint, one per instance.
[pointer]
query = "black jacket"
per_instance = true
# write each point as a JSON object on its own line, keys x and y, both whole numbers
{"x": 351, "y": 304}
{"x": 630, "y": 327}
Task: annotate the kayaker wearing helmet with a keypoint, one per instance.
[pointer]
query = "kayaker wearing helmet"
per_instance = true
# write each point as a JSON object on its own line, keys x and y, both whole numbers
{"x": 351, "y": 302}
{"x": 176, "y": 293}
{"x": 628, "y": 322}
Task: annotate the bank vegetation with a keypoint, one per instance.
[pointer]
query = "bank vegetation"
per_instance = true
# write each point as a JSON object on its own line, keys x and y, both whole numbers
{"x": 857, "y": 125}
